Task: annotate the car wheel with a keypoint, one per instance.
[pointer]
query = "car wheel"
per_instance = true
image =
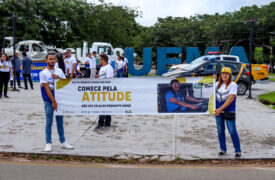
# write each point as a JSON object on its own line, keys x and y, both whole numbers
{"x": 242, "y": 88}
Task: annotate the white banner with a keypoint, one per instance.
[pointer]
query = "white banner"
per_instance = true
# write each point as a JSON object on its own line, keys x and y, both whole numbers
{"x": 136, "y": 96}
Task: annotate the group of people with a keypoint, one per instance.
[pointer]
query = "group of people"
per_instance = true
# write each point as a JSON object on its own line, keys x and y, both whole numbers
{"x": 62, "y": 66}
{"x": 66, "y": 66}
{"x": 10, "y": 68}
{"x": 226, "y": 92}
{"x": 121, "y": 66}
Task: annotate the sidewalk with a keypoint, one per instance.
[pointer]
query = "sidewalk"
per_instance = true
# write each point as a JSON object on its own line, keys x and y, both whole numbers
{"x": 22, "y": 124}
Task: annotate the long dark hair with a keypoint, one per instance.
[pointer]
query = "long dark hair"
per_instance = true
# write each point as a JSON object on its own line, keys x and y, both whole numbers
{"x": 60, "y": 60}
{"x": 7, "y": 58}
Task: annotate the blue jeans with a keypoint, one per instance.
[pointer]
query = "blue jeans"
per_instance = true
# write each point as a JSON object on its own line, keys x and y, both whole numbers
{"x": 119, "y": 73}
{"x": 231, "y": 125}
{"x": 49, "y": 122}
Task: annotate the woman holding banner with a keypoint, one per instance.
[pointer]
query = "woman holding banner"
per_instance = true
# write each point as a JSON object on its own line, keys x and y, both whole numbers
{"x": 226, "y": 92}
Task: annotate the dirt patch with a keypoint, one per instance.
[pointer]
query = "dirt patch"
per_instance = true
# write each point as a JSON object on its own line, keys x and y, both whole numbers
{"x": 6, "y": 146}
{"x": 269, "y": 141}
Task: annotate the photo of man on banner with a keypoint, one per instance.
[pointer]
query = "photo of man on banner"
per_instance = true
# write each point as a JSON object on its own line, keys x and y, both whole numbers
{"x": 180, "y": 99}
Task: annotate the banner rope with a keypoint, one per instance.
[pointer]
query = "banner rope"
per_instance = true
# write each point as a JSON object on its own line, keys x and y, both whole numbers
{"x": 86, "y": 131}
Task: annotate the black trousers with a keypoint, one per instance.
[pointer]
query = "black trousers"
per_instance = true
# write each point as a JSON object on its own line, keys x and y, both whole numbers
{"x": 4, "y": 81}
{"x": 25, "y": 80}
{"x": 88, "y": 73}
{"x": 17, "y": 78}
{"x": 104, "y": 120}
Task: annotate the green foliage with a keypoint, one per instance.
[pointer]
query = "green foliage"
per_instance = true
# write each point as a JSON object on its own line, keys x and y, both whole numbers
{"x": 223, "y": 30}
{"x": 259, "y": 56}
{"x": 59, "y": 22}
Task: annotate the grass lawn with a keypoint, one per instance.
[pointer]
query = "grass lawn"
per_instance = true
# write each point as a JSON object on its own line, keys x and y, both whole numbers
{"x": 268, "y": 99}
{"x": 271, "y": 77}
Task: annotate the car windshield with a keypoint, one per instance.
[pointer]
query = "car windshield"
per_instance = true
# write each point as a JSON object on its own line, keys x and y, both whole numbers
{"x": 200, "y": 59}
{"x": 173, "y": 69}
{"x": 193, "y": 66}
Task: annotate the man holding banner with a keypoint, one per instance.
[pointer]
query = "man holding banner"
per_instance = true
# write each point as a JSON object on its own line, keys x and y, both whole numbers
{"x": 106, "y": 71}
{"x": 47, "y": 77}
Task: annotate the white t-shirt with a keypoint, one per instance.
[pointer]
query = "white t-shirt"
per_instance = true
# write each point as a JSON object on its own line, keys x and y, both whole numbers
{"x": 69, "y": 63}
{"x": 222, "y": 94}
{"x": 106, "y": 71}
{"x": 46, "y": 76}
{"x": 125, "y": 61}
{"x": 56, "y": 65}
{"x": 5, "y": 66}
{"x": 66, "y": 65}
{"x": 91, "y": 61}
{"x": 119, "y": 64}
{"x": 78, "y": 67}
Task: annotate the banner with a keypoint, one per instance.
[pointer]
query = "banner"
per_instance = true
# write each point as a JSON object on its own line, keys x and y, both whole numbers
{"x": 35, "y": 70}
{"x": 135, "y": 96}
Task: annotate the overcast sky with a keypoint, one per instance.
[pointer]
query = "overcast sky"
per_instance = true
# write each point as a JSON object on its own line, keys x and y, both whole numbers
{"x": 152, "y": 9}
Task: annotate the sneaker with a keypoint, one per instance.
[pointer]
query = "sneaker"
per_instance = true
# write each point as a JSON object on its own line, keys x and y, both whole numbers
{"x": 237, "y": 155}
{"x": 98, "y": 127}
{"x": 48, "y": 148}
{"x": 66, "y": 145}
{"x": 6, "y": 96}
{"x": 222, "y": 153}
{"x": 20, "y": 87}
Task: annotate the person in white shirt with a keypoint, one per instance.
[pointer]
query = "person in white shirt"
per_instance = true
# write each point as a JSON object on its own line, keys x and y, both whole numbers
{"x": 125, "y": 64}
{"x": 79, "y": 73}
{"x": 91, "y": 60}
{"x": 119, "y": 67}
{"x": 47, "y": 77}
{"x": 5, "y": 71}
{"x": 106, "y": 71}
{"x": 226, "y": 93}
{"x": 71, "y": 63}
{"x": 59, "y": 62}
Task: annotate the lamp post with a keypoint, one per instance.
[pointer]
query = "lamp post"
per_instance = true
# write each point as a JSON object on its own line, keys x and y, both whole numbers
{"x": 250, "y": 56}
{"x": 76, "y": 42}
{"x": 4, "y": 36}
{"x": 14, "y": 58}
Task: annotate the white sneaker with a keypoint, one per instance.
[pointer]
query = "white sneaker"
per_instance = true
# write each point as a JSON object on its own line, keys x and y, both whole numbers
{"x": 48, "y": 148}
{"x": 67, "y": 145}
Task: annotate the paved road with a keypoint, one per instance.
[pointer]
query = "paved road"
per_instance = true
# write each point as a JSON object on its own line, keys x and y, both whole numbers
{"x": 16, "y": 170}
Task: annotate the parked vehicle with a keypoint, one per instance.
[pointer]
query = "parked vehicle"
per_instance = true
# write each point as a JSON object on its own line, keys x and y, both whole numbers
{"x": 106, "y": 48}
{"x": 98, "y": 47}
{"x": 209, "y": 67}
{"x": 207, "y": 57}
{"x": 259, "y": 71}
{"x": 35, "y": 50}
